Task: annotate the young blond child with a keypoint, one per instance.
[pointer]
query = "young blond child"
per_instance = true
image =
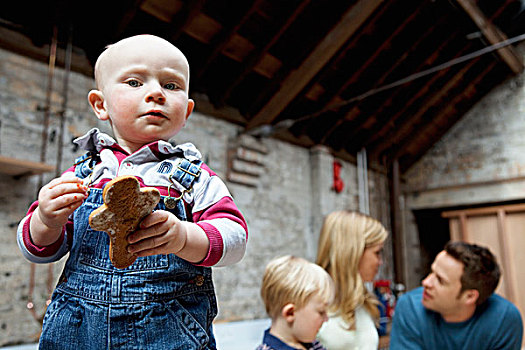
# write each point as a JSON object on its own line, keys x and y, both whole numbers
{"x": 165, "y": 299}
{"x": 296, "y": 294}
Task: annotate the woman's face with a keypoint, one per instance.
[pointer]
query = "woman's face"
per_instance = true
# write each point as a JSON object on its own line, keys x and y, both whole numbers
{"x": 370, "y": 262}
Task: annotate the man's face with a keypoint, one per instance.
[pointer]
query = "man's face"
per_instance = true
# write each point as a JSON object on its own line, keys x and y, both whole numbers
{"x": 443, "y": 285}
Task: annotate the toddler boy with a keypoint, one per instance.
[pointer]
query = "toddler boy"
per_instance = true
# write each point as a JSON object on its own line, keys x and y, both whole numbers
{"x": 166, "y": 298}
{"x": 296, "y": 294}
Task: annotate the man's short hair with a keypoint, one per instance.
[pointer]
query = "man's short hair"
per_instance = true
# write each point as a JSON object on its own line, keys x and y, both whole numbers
{"x": 481, "y": 270}
{"x": 290, "y": 279}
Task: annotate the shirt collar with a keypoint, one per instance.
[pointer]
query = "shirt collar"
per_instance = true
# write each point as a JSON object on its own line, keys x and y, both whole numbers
{"x": 95, "y": 141}
{"x": 276, "y": 343}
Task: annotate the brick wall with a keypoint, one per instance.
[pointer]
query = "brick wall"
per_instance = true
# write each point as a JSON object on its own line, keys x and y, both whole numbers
{"x": 481, "y": 160}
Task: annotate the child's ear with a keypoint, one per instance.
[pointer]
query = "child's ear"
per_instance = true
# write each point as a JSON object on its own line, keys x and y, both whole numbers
{"x": 97, "y": 102}
{"x": 288, "y": 312}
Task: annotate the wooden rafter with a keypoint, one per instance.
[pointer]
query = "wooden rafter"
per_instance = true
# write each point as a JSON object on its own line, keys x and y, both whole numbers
{"x": 449, "y": 117}
{"x": 354, "y": 78}
{"x": 403, "y": 116}
{"x": 417, "y": 119}
{"x": 493, "y": 35}
{"x": 298, "y": 79}
{"x": 127, "y": 17}
{"x": 258, "y": 54}
{"x": 225, "y": 37}
{"x": 361, "y": 136}
{"x": 190, "y": 9}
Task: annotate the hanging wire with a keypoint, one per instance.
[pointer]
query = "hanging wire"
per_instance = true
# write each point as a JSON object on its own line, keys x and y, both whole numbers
{"x": 267, "y": 130}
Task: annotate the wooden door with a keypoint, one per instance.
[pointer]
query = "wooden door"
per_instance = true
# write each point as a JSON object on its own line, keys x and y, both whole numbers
{"x": 502, "y": 230}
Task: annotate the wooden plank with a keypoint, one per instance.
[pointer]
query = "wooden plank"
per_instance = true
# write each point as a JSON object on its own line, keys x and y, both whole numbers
{"x": 510, "y": 208}
{"x": 507, "y": 258}
{"x": 493, "y": 35}
{"x": 463, "y": 224}
{"x": 349, "y": 116}
{"x": 220, "y": 42}
{"x": 259, "y": 54}
{"x": 18, "y": 167}
{"x": 298, "y": 79}
{"x": 407, "y": 129}
{"x": 455, "y": 234}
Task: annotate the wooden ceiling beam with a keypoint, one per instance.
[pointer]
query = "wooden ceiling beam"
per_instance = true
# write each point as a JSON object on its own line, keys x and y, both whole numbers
{"x": 418, "y": 143}
{"x": 403, "y": 115}
{"x": 353, "y": 113}
{"x": 493, "y": 35}
{"x": 127, "y": 17}
{"x": 225, "y": 36}
{"x": 417, "y": 119}
{"x": 183, "y": 18}
{"x": 258, "y": 54}
{"x": 386, "y": 117}
{"x": 299, "y": 78}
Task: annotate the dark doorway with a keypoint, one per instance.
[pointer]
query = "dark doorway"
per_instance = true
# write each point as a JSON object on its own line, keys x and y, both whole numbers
{"x": 434, "y": 233}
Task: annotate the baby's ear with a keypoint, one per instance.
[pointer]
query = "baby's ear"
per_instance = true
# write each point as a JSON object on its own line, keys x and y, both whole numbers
{"x": 191, "y": 105}
{"x": 97, "y": 102}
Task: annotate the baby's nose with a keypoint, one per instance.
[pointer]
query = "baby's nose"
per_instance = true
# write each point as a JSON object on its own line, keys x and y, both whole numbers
{"x": 155, "y": 94}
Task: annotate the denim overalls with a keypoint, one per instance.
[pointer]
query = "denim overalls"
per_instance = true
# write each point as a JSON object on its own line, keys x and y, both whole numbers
{"x": 159, "y": 302}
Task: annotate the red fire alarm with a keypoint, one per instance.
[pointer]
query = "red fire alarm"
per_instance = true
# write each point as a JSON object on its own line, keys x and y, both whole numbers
{"x": 338, "y": 182}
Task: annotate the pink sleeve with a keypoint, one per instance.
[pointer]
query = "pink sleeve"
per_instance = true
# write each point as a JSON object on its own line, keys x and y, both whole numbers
{"x": 41, "y": 251}
{"x": 226, "y": 229}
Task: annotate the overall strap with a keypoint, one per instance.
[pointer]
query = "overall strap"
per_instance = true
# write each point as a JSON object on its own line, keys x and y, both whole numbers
{"x": 186, "y": 173}
{"x": 84, "y": 164}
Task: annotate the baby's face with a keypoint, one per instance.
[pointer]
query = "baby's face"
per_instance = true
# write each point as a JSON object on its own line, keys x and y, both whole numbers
{"x": 144, "y": 81}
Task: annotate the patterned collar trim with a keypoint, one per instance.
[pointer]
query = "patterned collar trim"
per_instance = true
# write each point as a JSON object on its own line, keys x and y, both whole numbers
{"x": 95, "y": 141}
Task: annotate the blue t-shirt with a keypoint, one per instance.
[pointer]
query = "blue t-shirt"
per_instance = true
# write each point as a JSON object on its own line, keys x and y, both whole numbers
{"x": 496, "y": 324}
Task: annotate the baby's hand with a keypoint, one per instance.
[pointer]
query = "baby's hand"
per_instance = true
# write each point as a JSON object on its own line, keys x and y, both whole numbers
{"x": 58, "y": 200}
{"x": 160, "y": 232}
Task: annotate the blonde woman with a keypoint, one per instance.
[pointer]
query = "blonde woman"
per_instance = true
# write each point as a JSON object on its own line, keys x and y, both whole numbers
{"x": 350, "y": 249}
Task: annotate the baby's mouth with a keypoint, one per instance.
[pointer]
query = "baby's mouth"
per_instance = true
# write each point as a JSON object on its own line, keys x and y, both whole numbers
{"x": 154, "y": 114}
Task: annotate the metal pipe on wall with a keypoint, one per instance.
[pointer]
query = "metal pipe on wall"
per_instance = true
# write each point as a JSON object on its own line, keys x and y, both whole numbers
{"x": 65, "y": 88}
{"x": 362, "y": 182}
{"x": 397, "y": 225}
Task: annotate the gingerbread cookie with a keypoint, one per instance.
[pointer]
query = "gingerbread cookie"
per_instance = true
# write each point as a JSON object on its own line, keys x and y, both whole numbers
{"x": 125, "y": 205}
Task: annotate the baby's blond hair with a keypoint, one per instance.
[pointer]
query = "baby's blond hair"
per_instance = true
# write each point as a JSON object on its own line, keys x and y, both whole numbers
{"x": 290, "y": 279}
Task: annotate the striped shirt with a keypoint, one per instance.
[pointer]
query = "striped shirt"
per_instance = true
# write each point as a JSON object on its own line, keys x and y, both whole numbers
{"x": 209, "y": 203}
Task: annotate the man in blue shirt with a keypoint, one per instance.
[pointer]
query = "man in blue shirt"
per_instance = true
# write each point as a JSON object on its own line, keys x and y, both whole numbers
{"x": 456, "y": 307}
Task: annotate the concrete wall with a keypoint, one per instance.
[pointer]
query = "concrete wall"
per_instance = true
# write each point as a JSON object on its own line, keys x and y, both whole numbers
{"x": 481, "y": 160}
{"x": 284, "y": 209}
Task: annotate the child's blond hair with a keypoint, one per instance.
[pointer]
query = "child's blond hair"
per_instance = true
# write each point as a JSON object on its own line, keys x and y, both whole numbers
{"x": 290, "y": 279}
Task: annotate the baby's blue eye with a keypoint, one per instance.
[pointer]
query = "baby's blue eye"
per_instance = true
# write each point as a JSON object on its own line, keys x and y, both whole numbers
{"x": 170, "y": 86}
{"x": 133, "y": 83}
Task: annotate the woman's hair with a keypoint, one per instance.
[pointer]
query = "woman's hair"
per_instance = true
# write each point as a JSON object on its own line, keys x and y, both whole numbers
{"x": 290, "y": 279}
{"x": 343, "y": 239}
